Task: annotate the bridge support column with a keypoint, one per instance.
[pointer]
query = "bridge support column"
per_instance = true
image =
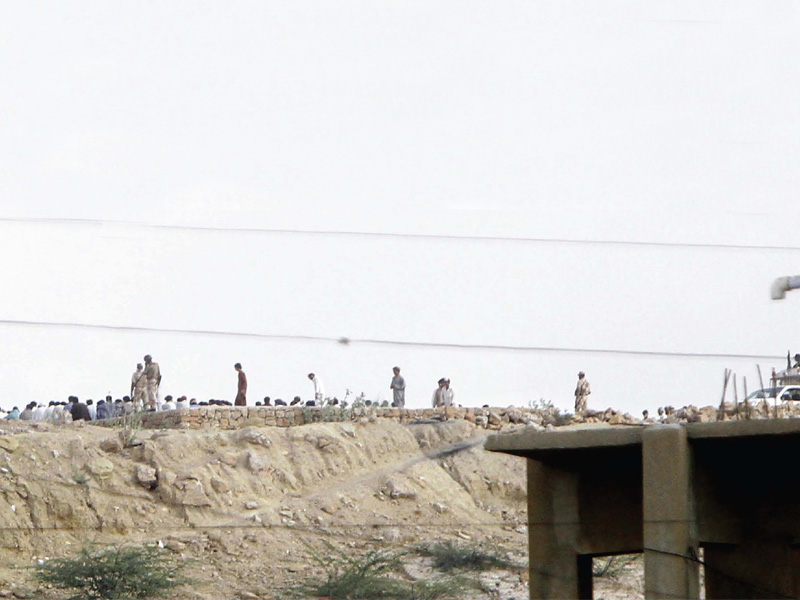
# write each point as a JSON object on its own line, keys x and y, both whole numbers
{"x": 670, "y": 529}
{"x": 557, "y": 570}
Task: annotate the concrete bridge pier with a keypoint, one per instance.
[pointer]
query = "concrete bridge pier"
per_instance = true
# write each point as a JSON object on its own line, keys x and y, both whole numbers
{"x": 554, "y": 528}
{"x": 669, "y": 524}
{"x": 730, "y": 488}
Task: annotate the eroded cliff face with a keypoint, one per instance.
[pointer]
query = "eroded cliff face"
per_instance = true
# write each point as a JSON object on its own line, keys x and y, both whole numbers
{"x": 244, "y": 507}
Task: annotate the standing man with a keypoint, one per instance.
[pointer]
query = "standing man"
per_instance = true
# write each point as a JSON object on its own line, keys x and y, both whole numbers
{"x": 319, "y": 389}
{"x": 398, "y": 386}
{"x": 582, "y": 392}
{"x": 152, "y": 374}
{"x": 138, "y": 385}
{"x": 241, "y": 389}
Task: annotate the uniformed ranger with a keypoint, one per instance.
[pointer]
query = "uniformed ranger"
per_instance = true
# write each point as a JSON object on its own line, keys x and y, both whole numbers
{"x": 138, "y": 386}
{"x": 582, "y": 392}
{"x": 152, "y": 374}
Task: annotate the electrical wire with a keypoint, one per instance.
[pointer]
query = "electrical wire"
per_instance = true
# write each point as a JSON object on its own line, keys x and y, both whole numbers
{"x": 323, "y": 529}
{"x": 389, "y": 235}
{"x": 385, "y": 342}
{"x": 753, "y": 586}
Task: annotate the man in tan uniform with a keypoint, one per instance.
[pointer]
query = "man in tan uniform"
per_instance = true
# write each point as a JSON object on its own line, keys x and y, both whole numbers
{"x": 582, "y": 392}
{"x": 152, "y": 373}
{"x": 138, "y": 386}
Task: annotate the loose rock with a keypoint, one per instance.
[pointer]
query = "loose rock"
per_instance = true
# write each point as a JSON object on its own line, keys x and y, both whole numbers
{"x": 111, "y": 445}
{"x": 8, "y": 443}
{"x": 256, "y": 462}
{"x": 101, "y": 467}
{"x": 146, "y": 477}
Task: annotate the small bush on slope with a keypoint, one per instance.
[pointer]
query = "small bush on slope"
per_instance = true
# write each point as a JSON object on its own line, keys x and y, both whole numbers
{"x": 119, "y": 573}
{"x": 368, "y": 576}
{"x": 450, "y": 557}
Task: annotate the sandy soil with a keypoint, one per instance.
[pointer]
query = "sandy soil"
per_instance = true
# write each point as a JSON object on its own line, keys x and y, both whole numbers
{"x": 244, "y": 508}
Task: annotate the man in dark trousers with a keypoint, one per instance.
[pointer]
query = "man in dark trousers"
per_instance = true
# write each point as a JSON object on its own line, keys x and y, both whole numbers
{"x": 241, "y": 390}
{"x": 80, "y": 412}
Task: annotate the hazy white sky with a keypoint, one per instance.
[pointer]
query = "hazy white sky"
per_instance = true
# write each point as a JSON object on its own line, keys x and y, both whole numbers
{"x": 676, "y": 122}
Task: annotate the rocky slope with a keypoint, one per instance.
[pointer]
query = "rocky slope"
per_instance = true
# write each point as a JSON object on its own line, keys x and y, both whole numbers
{"x": 245, "y": 508}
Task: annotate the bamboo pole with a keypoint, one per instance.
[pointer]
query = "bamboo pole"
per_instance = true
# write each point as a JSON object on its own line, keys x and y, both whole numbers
{"x": 721, "y": 412}
{"x": 736, "y": 397}
{"x": 746, "y": 401}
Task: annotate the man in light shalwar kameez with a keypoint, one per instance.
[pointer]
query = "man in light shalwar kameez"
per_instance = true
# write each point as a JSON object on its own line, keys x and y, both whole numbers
{"x": 449, "y": 394}
{"x": 438, "y": 395}
{"x": 319, "y": 389}
{"x": 398, "y": 387}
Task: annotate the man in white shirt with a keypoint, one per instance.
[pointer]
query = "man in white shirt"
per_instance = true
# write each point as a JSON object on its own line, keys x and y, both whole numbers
{"x": 182, "y": 403}
{"x": 38, "y": 413}
{"x": 319, "y": 389}
{"x": 92, "y": 409}
{"x": 168, "y": 404}
{"x": 449, "y": 394}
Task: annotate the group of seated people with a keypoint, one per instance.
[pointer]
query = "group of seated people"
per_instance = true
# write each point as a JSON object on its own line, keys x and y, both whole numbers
{"x": 297, "y": 400}
{"x": 75, "y": 410}
{"x": 72, "y": 410}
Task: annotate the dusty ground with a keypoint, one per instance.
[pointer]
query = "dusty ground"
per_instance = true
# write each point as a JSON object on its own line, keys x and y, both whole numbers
{"x": 623, "y": 578}
{"x": 244, "y": 507}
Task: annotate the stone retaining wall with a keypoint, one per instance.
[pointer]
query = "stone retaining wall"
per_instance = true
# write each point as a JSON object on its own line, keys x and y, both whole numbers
{"x": 235, "y": 417}
{"x": 289, "y": 416}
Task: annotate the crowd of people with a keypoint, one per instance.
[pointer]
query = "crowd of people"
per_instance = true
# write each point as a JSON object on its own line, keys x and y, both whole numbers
{"x": 146, "y": 382}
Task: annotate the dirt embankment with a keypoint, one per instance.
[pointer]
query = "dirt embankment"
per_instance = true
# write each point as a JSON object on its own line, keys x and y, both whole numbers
{"x": 244, "y": 507}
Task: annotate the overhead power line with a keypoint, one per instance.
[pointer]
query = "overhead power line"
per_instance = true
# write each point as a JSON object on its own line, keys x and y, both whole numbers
{"x": 352, "y": 341}
{"x": 389, "y": 235}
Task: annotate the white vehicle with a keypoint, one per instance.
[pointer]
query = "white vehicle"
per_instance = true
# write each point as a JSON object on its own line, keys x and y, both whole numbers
{"x": 781, "y": 392}
{"x": 784, "y": 386}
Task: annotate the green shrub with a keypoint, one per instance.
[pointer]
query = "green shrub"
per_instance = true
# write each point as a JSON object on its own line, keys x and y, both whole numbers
{"x": 450, "y": 557}
{"x": 368, "y": 576}
{"x": 348, "y": 577}
{"x": 550, "y": 414}
{"x": 119, "y": 573}
{"x": 439, "y": 589}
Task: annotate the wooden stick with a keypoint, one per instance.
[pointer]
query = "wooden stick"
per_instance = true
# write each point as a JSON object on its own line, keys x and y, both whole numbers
{"x": 746, "y": 401}
{"x": 736, "y": 396}
{"x": 721, "y": 412}
{"x": 775, "y": 411}
{"x": 761, "y": 382}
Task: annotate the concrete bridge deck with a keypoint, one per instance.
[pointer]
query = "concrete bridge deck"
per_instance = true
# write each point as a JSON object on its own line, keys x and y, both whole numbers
{"x": 731, "y": 489}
